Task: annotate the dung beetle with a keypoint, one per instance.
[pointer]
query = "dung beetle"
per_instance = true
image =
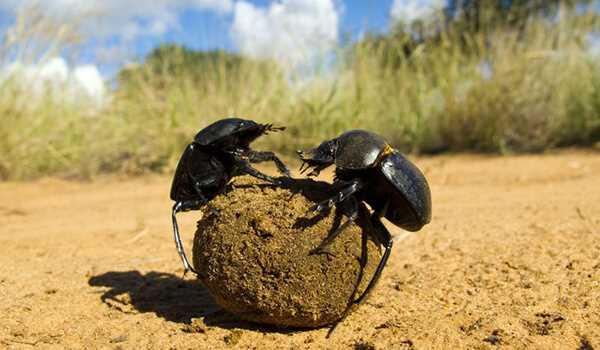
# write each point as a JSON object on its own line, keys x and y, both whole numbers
{"x": 368, "y": 169}
{"x": 218, "y": 153}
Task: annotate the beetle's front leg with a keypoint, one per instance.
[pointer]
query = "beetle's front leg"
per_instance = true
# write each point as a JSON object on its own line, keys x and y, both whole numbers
{"x": 244, "y": 167}
{"x": 347, "y": 189}
{"x": 257, "y": 157}
{"x": 350, "y": 209}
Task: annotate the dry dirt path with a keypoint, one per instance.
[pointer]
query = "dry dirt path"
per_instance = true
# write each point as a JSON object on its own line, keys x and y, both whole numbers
{"x": 510, "y": 260}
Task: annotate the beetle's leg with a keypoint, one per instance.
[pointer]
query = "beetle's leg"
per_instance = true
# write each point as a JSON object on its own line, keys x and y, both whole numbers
{"x": 198, "y": 185}
{"x": 257, "y": 157}
{"x": 187, "y": 205}
{"x": 183, "y": 206}
{"x": 350, "y": 208}
{"x": 244, "y": 167}
{"x": 363, "y": 264}
{"x": 348, "y": 189}
{"x": 385, "y": 238}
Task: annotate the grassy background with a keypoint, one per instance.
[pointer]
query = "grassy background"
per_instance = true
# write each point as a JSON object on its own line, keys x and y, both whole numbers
{"x": 501, "y": 90}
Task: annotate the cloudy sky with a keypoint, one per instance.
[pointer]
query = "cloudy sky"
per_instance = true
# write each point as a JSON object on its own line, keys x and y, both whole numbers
{"x": 291, "y": 31}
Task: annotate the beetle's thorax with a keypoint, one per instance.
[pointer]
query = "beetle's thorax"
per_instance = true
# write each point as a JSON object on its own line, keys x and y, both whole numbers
{"x": 360, "y": 149}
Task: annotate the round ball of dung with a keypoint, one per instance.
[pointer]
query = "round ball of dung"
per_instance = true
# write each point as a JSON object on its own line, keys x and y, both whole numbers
{"x": 252, "y": 251}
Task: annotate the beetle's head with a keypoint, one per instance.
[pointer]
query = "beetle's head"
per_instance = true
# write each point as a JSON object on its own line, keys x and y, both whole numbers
{"x": 318, "y": 158}
{"x": 252, "y": 130}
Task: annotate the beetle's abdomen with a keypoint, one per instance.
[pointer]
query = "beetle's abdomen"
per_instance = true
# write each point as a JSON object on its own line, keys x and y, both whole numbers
{"x": 411, "y": 186}
{"x": 381, "y": 192}
{"x": 198, "y": 170}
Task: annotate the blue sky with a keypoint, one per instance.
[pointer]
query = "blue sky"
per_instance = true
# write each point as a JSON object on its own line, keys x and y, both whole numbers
{"x": 125, "y": 31}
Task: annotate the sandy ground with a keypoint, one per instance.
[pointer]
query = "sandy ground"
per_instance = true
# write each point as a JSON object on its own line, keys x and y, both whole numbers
{"x": 510, "y": 260}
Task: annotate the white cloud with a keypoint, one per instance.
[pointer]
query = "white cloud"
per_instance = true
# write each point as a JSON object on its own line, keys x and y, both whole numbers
{"x": 291, "y": 31}
{"x": 408, "y": 11}
{"x": 87, "y": 80}
{"x": 82, "y": 84}
{"x": 55, "y": 70}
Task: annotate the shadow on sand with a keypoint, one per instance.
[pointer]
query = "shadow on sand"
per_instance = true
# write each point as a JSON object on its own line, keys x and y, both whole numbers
{"x": 169, "y": 297}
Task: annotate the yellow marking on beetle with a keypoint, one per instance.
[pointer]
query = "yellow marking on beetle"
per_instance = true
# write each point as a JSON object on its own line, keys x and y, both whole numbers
{"x": 387, "y": 150}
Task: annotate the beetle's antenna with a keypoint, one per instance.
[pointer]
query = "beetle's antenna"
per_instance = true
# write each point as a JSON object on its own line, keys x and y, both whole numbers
{"x": 186, "y": 264}
{"x": 271, "y": 128}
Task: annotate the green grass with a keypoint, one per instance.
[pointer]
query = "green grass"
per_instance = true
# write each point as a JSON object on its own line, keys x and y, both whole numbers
{"x": 544, "y": 93}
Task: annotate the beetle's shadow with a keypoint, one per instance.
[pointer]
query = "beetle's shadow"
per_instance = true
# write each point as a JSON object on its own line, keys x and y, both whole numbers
{"x": 169, "y": 297}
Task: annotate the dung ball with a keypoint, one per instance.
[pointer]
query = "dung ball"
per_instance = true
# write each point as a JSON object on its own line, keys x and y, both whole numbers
{"x": 252, "y": 251}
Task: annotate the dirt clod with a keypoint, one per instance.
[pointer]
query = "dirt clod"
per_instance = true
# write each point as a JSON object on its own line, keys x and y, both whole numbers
{"x": 197, "y": 325}
{"x": 253, "y": 253}
{"x": 495, "y": 338}
{"x": 585, "y": 344}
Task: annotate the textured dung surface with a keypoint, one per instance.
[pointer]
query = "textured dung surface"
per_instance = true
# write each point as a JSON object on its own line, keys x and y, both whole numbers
{"x": 252, "y": 254}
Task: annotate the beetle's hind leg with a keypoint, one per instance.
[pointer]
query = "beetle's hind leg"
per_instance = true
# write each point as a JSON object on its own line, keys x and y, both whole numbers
{"x": 361, "y": 271}
{"x": 385, "y": 238}
{"x": 178, "y": 207}
{"x": 257, "y": 157}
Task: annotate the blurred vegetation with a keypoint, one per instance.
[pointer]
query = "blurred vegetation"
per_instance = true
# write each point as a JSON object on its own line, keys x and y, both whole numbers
{"x": 491, "y": 76}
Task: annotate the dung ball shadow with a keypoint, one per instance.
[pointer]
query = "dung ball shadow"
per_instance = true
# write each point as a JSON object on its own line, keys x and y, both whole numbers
{"x": 166, "y": 295}
{"x": 171, "y": 298}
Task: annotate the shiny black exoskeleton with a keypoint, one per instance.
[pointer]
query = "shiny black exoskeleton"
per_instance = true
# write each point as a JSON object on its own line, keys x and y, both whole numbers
{"x": 218, "y": 153}
{"x": 368, "y": 169}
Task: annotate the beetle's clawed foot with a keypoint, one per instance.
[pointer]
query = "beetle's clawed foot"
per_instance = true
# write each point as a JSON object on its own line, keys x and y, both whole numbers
{"x": 186, "y": 270}
{"x": 212, "y": 209}
{"x": 319, "y": 208}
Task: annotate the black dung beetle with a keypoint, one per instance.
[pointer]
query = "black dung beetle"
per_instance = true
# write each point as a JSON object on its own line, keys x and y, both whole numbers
{"x": 368, "y": 169}
{"x": 218, "y": 153}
